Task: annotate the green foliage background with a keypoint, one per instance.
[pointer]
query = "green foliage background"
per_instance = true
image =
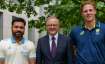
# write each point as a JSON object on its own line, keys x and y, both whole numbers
{"x": 68, "y": 11}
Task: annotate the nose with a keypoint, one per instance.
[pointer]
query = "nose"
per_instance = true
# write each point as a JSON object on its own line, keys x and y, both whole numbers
{"x": 52, "y": 26}
{"x": 88, "y": 12}
{"x": 18, "y": 29}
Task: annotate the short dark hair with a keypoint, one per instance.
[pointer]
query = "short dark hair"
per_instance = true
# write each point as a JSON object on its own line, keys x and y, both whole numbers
{"x": 18, "y": 20}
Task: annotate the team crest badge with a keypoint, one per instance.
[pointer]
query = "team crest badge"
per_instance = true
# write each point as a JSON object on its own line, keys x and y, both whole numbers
{"x": 97, "y": 31}
{"x": 82, "y": 33}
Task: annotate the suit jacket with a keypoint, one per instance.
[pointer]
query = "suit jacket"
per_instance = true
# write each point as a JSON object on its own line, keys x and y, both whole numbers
{"x": 63, "y": 55}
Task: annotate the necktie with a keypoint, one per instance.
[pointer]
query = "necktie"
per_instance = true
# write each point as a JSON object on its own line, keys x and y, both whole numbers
{"x": 53, "y": 50}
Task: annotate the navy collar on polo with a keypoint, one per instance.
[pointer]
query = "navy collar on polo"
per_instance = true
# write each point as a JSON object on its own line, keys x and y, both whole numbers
{"x": 96, "y": 26}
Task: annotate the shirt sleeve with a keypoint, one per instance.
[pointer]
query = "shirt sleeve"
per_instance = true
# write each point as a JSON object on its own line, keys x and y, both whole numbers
{"x": 32, "y": 53}
{"x": 2, "y": 53}
{"x": 72, "y": 37}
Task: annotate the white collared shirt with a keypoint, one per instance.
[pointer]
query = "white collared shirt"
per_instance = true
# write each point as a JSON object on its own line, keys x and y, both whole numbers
{"x": 14, "y": 53}
{"x": 50, "y": 40}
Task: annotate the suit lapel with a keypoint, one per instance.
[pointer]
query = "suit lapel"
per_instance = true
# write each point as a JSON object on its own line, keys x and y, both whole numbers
{"x": 59, "y": 41}
{"x": 48, "y": 46}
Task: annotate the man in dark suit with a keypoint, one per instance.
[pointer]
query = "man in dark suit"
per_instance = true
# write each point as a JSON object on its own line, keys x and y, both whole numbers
{"x": 53, "y": 48}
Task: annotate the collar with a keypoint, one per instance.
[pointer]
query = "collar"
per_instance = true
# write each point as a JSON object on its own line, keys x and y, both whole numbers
{"x": 97, "y": 25}
{"x": 14, "y": 41}
{"x": 56, "y": 36}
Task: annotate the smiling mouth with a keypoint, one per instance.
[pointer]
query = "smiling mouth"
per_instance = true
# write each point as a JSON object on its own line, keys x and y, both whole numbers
{"x": 18, "y": 33}
{"x": 88, "y": 16}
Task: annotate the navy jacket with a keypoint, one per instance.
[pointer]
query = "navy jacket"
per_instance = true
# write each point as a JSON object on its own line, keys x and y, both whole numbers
{"x": 63, "y": 55}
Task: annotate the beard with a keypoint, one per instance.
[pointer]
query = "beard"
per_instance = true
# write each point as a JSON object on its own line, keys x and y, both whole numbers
{"x": 18, "y": 34}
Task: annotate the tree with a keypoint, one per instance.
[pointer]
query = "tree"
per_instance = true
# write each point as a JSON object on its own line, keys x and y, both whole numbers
{"x": 68, "y": 11}
{"x": 18, "y": 6}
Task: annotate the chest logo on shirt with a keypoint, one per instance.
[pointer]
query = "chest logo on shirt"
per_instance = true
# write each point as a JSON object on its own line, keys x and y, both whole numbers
{"x": 97, "y": 31}
{"x": 82, "y": 33}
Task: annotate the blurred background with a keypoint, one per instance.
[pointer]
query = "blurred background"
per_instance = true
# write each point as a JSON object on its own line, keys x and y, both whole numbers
{"x": 36, "y": 11}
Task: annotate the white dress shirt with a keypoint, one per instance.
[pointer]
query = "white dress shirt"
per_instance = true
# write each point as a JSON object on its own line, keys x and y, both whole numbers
{"x": 50, "y": 40}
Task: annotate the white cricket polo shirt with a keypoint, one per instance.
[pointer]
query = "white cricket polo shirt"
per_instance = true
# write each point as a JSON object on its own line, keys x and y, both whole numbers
{"x": 14, "y": 53}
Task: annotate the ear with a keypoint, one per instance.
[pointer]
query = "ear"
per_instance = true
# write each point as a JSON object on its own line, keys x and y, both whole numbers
{"x": 95, "y": 11}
